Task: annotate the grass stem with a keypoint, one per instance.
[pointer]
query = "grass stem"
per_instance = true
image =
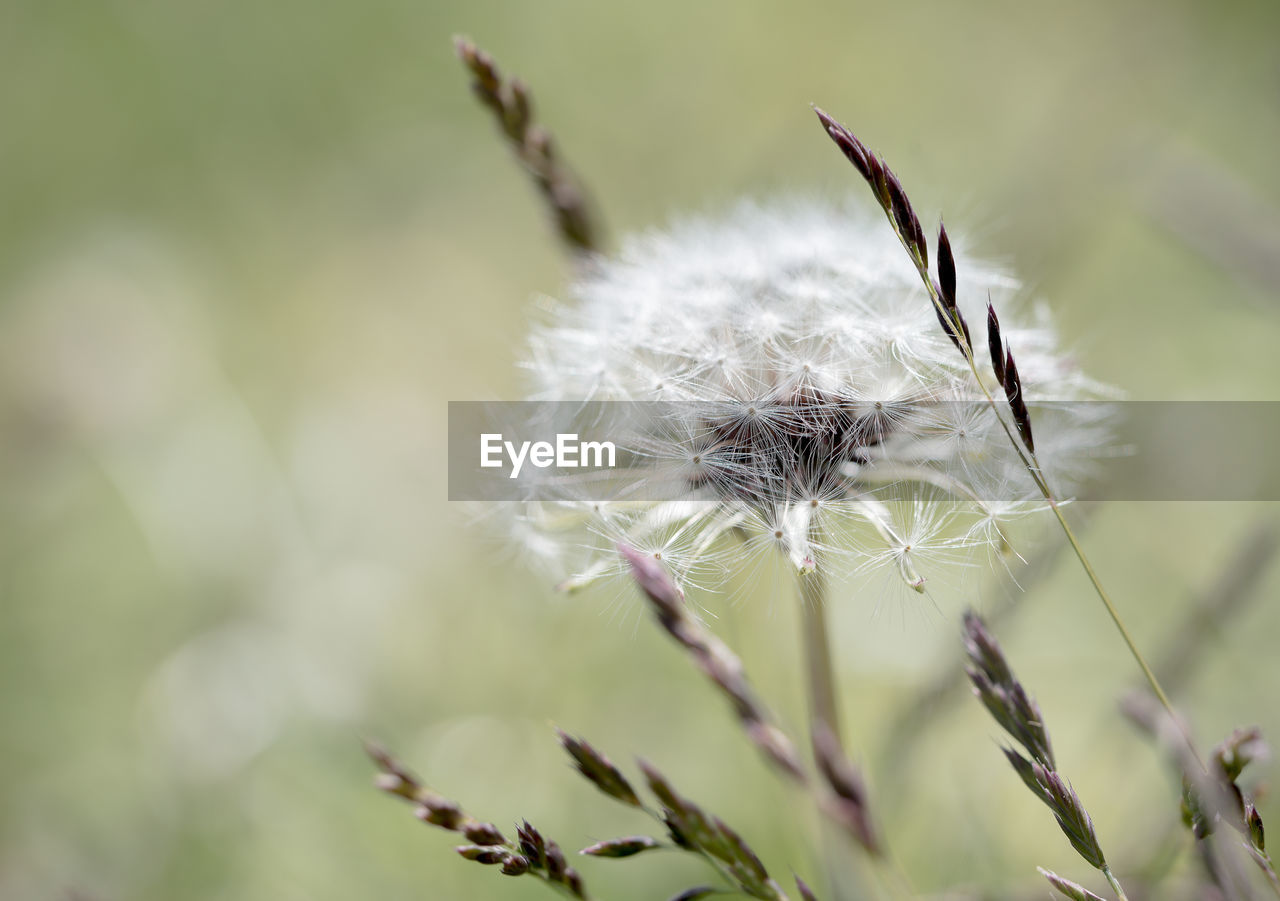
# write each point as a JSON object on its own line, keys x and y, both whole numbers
{"x": 1032, "y": 464}
{"x": 1101, "y": 591}
{"x": 1115, "y": 884}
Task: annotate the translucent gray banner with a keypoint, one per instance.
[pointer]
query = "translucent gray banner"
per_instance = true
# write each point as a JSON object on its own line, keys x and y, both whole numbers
{"x": 891, "y": 450}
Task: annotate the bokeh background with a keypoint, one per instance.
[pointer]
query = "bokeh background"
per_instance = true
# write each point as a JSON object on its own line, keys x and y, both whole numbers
{"x": 249, "y": 251}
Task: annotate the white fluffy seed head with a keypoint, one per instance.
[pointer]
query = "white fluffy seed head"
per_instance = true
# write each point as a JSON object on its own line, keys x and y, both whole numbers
{"x": 810, "y": 375}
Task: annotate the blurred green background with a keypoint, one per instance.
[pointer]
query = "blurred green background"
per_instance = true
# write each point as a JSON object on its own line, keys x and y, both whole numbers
{"x": 249, "y": 251}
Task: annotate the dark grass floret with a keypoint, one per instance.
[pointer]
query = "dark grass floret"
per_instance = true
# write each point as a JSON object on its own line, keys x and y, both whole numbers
{"x": 512, "y": 107}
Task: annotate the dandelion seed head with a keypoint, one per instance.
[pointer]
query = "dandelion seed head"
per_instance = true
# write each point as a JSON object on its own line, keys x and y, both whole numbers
{"x": 806, "y": 377}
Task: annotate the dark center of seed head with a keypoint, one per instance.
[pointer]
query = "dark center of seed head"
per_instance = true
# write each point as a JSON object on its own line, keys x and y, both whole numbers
{"x": 795, "y": 453}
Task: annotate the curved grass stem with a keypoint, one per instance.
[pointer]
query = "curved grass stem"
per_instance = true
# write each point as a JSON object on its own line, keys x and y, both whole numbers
{"x": 1101, "y": 591}
{"x": 1032, "y": 464}
{"x": 1115, "y": 884}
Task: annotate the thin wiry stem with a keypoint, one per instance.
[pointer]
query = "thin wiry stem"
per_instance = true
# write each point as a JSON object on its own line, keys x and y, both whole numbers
{"x": 1120, "y": 626}
{"x": 906, "y": 225}
{"x": 906, "y": 730}
{"x": 1115, "y": 884}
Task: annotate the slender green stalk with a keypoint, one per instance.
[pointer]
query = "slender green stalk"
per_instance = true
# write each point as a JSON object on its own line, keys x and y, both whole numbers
{"x": 824, "y": 707}
{"x": 1036, "y": 472}
{"x": 1115, "y": 884}
{"x": 892, "y": 198}
{"x": 1120, "y": 626}
{"x": 820, "y": 684}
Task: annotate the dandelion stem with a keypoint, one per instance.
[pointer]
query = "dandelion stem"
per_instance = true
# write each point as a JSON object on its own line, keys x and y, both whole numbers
{"x": 824, "y": 705}
{"x": 824, "y": 708}
{"x": 824, "y": 728}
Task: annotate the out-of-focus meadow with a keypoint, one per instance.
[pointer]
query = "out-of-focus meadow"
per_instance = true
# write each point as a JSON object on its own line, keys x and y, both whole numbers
{"x": 249, "y": 251}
